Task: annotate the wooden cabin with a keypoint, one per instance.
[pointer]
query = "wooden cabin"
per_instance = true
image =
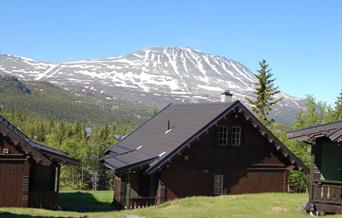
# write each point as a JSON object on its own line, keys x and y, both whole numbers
{"x": 29, "y": 171}
{"x": 203, "y": 149}
{"x": 326, "y": 166}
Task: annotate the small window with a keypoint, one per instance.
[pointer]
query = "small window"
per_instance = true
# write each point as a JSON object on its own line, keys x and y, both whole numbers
{"x": 218, "y": 184}
{"x": 236, "y": 136}
{"x": 5, "y": 151}
{"x": 223, "y": 135}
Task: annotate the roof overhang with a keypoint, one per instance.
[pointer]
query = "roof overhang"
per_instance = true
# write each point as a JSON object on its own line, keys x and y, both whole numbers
{"x": 24, "y": 145}
{"x": 42, "y": 154}
{"x": 332, "y": 130}
{"x": 120, "y": 169}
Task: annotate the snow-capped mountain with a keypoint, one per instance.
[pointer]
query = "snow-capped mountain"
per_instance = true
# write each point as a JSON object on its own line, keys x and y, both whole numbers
{"x": 157, "y": 75}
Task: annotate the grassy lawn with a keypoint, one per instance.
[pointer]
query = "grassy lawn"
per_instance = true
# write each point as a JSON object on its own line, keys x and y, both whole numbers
{"x": 90, "y": 201}
{"x": 249, "y": 205}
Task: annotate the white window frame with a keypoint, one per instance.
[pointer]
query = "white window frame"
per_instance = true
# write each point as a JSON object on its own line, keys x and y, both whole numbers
{"x": 235, "y": 140}
{"x": 218, "y": 184}
{"x": 223, "y": 135}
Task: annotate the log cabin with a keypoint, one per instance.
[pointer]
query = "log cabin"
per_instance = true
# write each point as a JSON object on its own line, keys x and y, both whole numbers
{"x": 29, "y": 171}
{"x": 200, "y": 149}
{"x": 325, "y": 193}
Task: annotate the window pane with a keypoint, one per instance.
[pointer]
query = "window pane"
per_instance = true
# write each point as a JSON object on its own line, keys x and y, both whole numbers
{"x": 223, "y": 135}
{"x": 236, "y": 136}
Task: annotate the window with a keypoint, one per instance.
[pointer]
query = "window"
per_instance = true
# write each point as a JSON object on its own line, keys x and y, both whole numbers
{"x": 218, "y": 184}
{"x": 236, "y": 136}
{"x": 223, "y": 135}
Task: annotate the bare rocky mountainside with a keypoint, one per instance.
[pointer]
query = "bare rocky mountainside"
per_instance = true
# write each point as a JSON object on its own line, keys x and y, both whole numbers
{"x": 156, "y": 75}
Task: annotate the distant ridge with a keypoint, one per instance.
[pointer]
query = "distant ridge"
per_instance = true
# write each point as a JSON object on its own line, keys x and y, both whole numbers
{"x": 155, "y": 75}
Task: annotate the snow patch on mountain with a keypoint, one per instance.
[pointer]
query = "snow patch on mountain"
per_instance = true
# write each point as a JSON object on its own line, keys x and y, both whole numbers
{"x": 161, "y": 74}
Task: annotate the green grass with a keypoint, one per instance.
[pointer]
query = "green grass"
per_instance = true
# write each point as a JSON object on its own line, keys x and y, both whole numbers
{"x": 86, "y": 201}
{"x": 275, "y": 205}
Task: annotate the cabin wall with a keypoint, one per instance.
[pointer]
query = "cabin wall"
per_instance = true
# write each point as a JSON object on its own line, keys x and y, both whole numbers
{"x": 14, "y": 176}
{"x": 331, "y": 161}
{"x": 42, "y": 178}
{"x": 326, "y": 187}
{"x": 254, "y": 166}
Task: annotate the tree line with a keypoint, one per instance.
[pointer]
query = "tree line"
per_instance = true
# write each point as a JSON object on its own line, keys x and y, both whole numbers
{"x": 83, "y": 142}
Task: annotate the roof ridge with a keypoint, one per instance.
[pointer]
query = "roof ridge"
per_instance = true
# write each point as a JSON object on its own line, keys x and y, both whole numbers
{"x": 205, "y": 103}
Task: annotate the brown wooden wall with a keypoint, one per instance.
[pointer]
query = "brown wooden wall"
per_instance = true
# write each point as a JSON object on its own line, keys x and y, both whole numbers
{"x": 254, "y": 149}
{"x": 254, "y": 166}
{"x": 42, "y": 178}
{"x": 14, "y": 176}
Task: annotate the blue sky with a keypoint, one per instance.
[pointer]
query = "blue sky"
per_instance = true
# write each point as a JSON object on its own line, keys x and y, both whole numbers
{"x": 300, "y": 39}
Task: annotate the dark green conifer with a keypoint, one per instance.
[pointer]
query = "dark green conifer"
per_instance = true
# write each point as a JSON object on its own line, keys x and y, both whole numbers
{"x": 265, "y": 92}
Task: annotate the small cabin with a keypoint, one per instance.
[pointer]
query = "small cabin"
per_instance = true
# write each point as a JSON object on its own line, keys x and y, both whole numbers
{"x": 29, "y": 171}
{"x": 326, "y": 165}
{"x": 202, "y": 149}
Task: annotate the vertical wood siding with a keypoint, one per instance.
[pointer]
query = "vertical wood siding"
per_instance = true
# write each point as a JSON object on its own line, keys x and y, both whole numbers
{"x": 253, "y": 167}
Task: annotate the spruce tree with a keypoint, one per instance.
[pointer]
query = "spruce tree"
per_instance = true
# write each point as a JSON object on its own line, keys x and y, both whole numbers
{"x": 338, "y": 107}
{"x": 265, "y": 91}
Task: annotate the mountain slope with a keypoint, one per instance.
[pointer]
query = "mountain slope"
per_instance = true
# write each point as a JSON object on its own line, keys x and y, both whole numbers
{"x": 47, "y": 100}
{"x": 156, "y": 75}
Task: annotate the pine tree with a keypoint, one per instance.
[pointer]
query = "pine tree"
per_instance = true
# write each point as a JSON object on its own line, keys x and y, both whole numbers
{"x": 338, "y": 107}
{"x": 265, "y": 91}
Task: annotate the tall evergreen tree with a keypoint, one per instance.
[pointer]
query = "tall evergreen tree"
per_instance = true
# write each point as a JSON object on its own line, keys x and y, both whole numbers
{"x": 265, "y": 91}
{"x": 338, "y": 107}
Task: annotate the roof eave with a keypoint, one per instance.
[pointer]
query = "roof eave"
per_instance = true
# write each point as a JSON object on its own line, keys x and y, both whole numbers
{"x": 129, "y": 167}
{"x": 318, "y": 130}
{"x": 60, "y": 159}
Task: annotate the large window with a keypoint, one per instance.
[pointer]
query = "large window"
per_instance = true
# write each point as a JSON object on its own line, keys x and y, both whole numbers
{"x": 223, "y": 135}
{"x": 218, "y": 184}
{"x": 236, "y": 136}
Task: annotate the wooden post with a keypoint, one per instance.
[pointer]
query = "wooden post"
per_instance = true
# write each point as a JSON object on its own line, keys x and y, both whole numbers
{"x": 313, "y": 151}
{"x": 161, "y": 193}
{"x": 286, "y": 181}
{"x": 129, "y": 190}
{"x": 58, "y": 173}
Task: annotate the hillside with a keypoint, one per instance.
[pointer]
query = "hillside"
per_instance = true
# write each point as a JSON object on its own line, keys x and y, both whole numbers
{"x": 156, "y": 75}
{"x": 271, "y": 205}
{"x": 47, "y": 100}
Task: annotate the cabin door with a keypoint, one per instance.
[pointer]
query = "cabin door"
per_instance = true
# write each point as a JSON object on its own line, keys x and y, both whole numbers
{"x": 331, "y": 161}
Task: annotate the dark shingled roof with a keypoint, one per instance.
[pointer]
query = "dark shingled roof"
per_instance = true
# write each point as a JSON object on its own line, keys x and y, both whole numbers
{"x": 152, "y": 142}
{"x": 41, "y": 153}
{"x": 332, "y": 130}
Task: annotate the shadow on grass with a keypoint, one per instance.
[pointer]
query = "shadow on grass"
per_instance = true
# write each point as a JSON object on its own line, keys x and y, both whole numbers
{"x": 13, "y": 215}
{"x": 82, "y": 202}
